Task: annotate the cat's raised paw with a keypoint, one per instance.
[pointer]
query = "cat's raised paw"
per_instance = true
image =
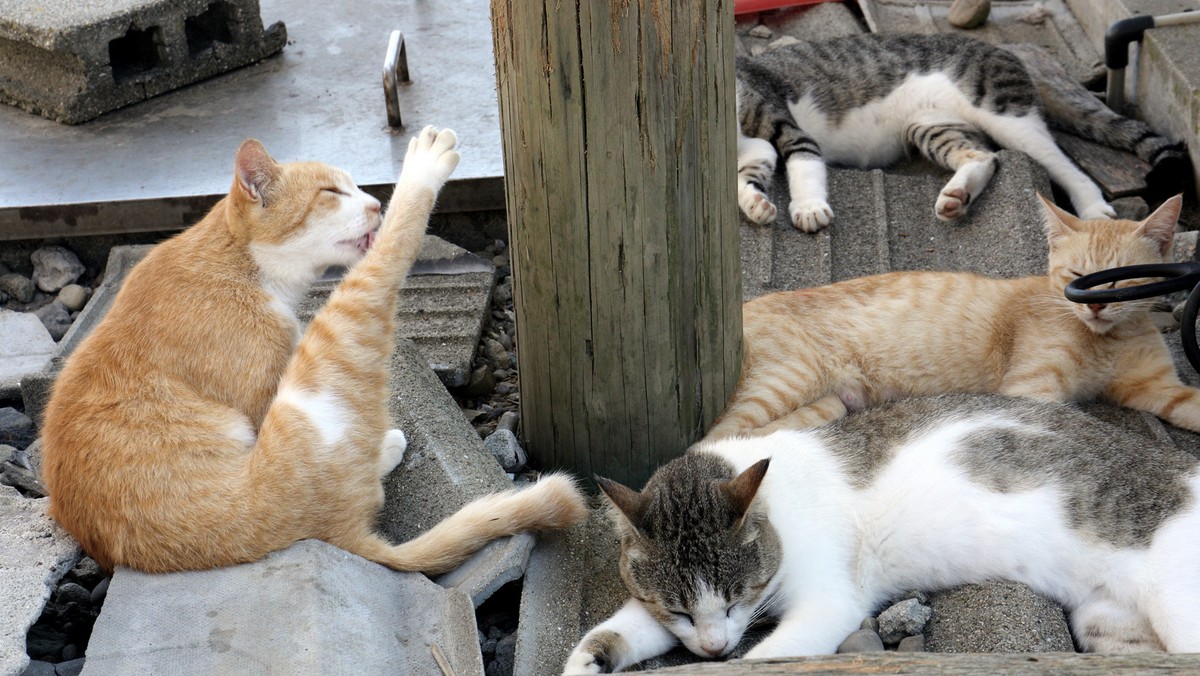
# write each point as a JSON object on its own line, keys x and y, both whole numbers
{"x": 431, "y": 158}
{"x": 1100, "y": 211}
{"x": 583, "y": 663}
{"x": 952, "y": 204}
{"x": 811, "y": 215}
{"x": 391, "y": 453}
{"x": 757, "y": 207}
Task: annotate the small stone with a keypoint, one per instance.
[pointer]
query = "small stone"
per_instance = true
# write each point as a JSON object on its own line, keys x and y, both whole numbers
{"x": 39, "y": 668}
{"x": 18, "y": 286}
{"x": 4, "y": 297}
{"x": 482, "y": 382}
{"x": 870, "y": 623}
{"x": 71, "y": 668}
{"x": 1184, "y": 248}
{"x": 69, "y": 592}
{"x": 502, "y": 294}
{"x": 73, "y": 296}
{"x": 504, "y": 388}
{"x": 55, "y": 267}
{"x": 509, "y": 421}
{"x": 503, "y": 445}
{"x": 56, "y": 318}
{"x": 496, "y": 354}
{"x": 87, "y": 572}
{"x": 969, "y": 13}
{"x": 500, "y": 260}
{"x": 861, "y": 641}
{"x": 100, "y": 592}
{"x": 783, "y": 42}
{"x": 907, "y": 618}
{"x": 922, "y": 597}
{"x": 501, "y": 374}
{"x": 912, "y": 644}
{"x": 16, "y": 429}
{"x": 761, "y": 31}
{"x": 506, "y": 340}
{"x": 506, "y": 652}
{"x": 69, "y": 652}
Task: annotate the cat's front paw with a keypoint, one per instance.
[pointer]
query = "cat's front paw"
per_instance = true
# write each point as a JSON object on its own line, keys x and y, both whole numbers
{"x": 582, "y": 662}
{"x": 756, "y": 206}
{"x": 811, "y": 215}
{"x": 952, "y": 204}
{"x": 391, "y": 453}
{"x": 1100, "y": 211}
{"x": 430, "y": 159}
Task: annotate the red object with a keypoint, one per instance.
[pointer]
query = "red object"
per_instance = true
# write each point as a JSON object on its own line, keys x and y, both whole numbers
{"x": 748, "y": 6}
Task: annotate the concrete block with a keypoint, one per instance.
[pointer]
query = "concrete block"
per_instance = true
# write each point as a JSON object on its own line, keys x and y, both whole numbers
{"x": 491, "y": 568}
{"x": 1002, "y": 617}
{"x": 71, "y": 61}
{"x": 27, "y": 347}
{"x": 34, "y": 555}
{"x": 311, "y": 608}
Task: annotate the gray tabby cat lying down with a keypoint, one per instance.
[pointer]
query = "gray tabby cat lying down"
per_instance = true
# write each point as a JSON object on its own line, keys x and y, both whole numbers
{"x": 820, "y": 527}
{"x": 865, "y": 101}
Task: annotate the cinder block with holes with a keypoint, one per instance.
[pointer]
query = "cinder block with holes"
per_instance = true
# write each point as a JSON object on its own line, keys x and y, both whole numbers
{"x": 71, "y": 61}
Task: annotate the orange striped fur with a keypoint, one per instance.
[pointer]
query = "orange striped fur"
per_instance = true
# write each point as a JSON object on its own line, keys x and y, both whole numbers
{"x": 813, "y": 354}
{"x": 196, "y": 428}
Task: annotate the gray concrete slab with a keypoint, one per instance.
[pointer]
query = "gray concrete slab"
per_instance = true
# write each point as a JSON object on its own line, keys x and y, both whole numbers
{"x": 27, "y": 348}
{"x": 321, "y": 99}
{"x": 71, "y": 61}
{"x": 34, "y": 555}
{"x": 311, "y": 608}
{"x": 996, "y": 617}
{"x": 443, "y": 312}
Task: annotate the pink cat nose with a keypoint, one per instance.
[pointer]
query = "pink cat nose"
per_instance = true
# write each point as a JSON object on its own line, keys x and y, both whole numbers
{"x": 1096, "y": 307}
{"x": 374, "y": 206}
{"x": 714, "y": 649}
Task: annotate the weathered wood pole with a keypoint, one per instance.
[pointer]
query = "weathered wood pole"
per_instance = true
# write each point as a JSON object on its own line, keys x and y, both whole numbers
{"x": 617, "y": 119}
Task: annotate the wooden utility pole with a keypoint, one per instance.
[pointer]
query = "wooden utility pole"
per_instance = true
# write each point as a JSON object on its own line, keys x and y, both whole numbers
{"x": 619, "y": 137}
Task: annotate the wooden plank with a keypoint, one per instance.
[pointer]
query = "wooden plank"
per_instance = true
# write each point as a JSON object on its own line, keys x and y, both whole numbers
{"x": 950, "y": 664}
{"x": 618, "y": 128}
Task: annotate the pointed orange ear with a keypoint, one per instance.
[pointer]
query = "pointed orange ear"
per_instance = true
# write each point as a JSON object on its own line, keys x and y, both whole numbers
{"x": 255, "y": 170}
{"x": 1059, "y": 223}
{"x": 740, "y": 490}
{"x": 1159, "y": 227}
{"x": 629, "y": 502}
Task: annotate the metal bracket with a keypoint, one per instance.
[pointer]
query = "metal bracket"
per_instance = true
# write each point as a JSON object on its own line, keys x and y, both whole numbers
{"x": 395, "y": 73}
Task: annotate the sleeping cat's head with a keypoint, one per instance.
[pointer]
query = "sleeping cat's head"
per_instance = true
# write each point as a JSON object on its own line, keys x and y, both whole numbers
{"x": 299, "y": 216}
{"x": 1079, "y": 247}
{"x": 695, "y": 550}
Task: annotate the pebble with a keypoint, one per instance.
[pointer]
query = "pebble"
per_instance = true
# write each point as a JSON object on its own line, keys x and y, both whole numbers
{"x": 502, "y": 294}
{"x": 504, "y": 388}
{"x": 907, "y": 618}
{"x": 3, "y": 297}
{"x": 100, "y": 592}
{"x": 70, "y": 592}
{"x": 870, "y": 623}
{"x": 87, "y": 572}
{"x": 71, "y": 668}
{"x": 482, "y": 382}
{"x": 55, "y": 267}
{"x": 16, "y": 429}
{"x": 39, "y": 668}
{"x": 503, "y": 445}
{"x": 56, "y": 318}
{"x": 496, "y": 353}
{"x": 73, "y": 296}
{"x": 761, "y": 31}
{"x": 861, "y": 641}
{"x": 506, "y": 340}
{"x": 506, "y": 652}
{"x": 18, "y": 286}
{"x": 509, "y": 421}
{"x": 969, "y": 13}
{"x": 500, "y": 374}
{"x": 912, "y": 644}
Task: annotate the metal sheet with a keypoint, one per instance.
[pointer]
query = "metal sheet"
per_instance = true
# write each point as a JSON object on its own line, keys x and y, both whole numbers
{"x": 321, "y": 99}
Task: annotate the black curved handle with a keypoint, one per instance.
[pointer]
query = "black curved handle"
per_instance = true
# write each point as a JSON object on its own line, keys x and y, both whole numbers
{"x": 1180, "y": 277}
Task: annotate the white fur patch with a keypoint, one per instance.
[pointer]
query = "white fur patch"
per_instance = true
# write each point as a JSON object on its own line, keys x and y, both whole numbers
{"x": 324, "y": 410}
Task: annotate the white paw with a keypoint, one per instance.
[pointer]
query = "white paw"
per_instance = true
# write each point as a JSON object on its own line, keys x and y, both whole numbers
{"x": 391, "y": 453}
{"x": 430, "y": 159}
{"x": 581, "y": 663}
{"x": 811, "y": 215}
{"x": 1100, "y": 211}
{"x": 756, "y": 206}
{"x": 952, "y": 204}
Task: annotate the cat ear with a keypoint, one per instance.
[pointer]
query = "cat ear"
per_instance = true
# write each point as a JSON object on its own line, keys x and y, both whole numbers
{"x": 740, "y": 490}
{"x": 629, "y": 502}
{"x": 255, "y": 170}
{"x": 1159, "y": 227}
{"x": 1059, "y": 223}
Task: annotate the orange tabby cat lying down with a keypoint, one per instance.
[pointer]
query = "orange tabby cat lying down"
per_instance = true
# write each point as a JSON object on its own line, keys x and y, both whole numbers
{"x": 812, "y": 354}
{"x": 196, "y": 428}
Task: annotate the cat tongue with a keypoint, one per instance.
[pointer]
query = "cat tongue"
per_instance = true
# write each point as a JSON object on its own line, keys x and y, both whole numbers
{"x": 371, "y": 239}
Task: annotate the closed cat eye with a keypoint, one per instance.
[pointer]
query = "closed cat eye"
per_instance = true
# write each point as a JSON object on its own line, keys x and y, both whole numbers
{"x": 334, "y": 191}
{"x": 683, "y": 616}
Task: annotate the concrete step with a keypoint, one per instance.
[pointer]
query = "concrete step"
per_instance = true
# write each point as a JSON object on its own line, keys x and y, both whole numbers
{"x": 442, "y": 311}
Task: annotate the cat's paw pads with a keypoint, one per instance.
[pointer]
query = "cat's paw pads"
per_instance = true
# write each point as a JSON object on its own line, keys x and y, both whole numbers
{"x": 952, "y": 204}
{"x": 757, "y": 207}
{"x": 431, "y": 158}
{"x": 811, "y": 215}
{"x": 1098, "y": 211}
{"x": 583, "y": 663}
{"x": 391, "y": 453}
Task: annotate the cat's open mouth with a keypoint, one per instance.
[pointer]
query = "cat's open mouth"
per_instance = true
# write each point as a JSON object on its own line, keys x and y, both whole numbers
{"x": 362, "y": 243}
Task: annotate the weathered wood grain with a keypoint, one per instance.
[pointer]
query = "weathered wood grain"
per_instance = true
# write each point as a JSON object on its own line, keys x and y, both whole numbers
{"x": 617, "y": 120}
{"x": 951, "y": 664}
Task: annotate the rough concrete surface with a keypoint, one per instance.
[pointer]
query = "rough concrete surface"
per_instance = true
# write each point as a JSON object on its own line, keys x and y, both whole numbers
{"x": 34, "y": 555}
{"x": 311, "y": 608}
{"x": 1003, "y": 617}
{"x": 26, "y": 348}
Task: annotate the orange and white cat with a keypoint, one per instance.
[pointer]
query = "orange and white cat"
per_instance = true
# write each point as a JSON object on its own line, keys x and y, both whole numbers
{"x": 196, "y": 428}
{"x": 810, "y": 355}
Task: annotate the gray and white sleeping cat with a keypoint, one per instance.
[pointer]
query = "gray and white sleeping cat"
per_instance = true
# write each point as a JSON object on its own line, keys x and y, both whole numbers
{"x": 864, "y": 101}
{"x": 820, "y": 527}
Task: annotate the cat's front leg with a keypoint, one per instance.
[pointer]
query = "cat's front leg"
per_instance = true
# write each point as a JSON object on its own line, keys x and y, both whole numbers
{"x": 628, "y": 637}
{"x": 756, "y": 168}
{"x": 816, "y": 628}
{"x": 809, "y": 209}
{"x": 1166, "y": 398}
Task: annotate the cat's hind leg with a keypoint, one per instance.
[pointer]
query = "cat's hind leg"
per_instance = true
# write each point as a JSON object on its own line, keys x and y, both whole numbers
{"x": 822, "y": 411}
{"x": 955, "y": 145}
{"x": 756, "y": 168}
{"x": 1030, "y": 135}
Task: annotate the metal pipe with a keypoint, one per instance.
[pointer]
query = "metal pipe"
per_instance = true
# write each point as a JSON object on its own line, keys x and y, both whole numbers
{"x": 1117, "y": 39}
